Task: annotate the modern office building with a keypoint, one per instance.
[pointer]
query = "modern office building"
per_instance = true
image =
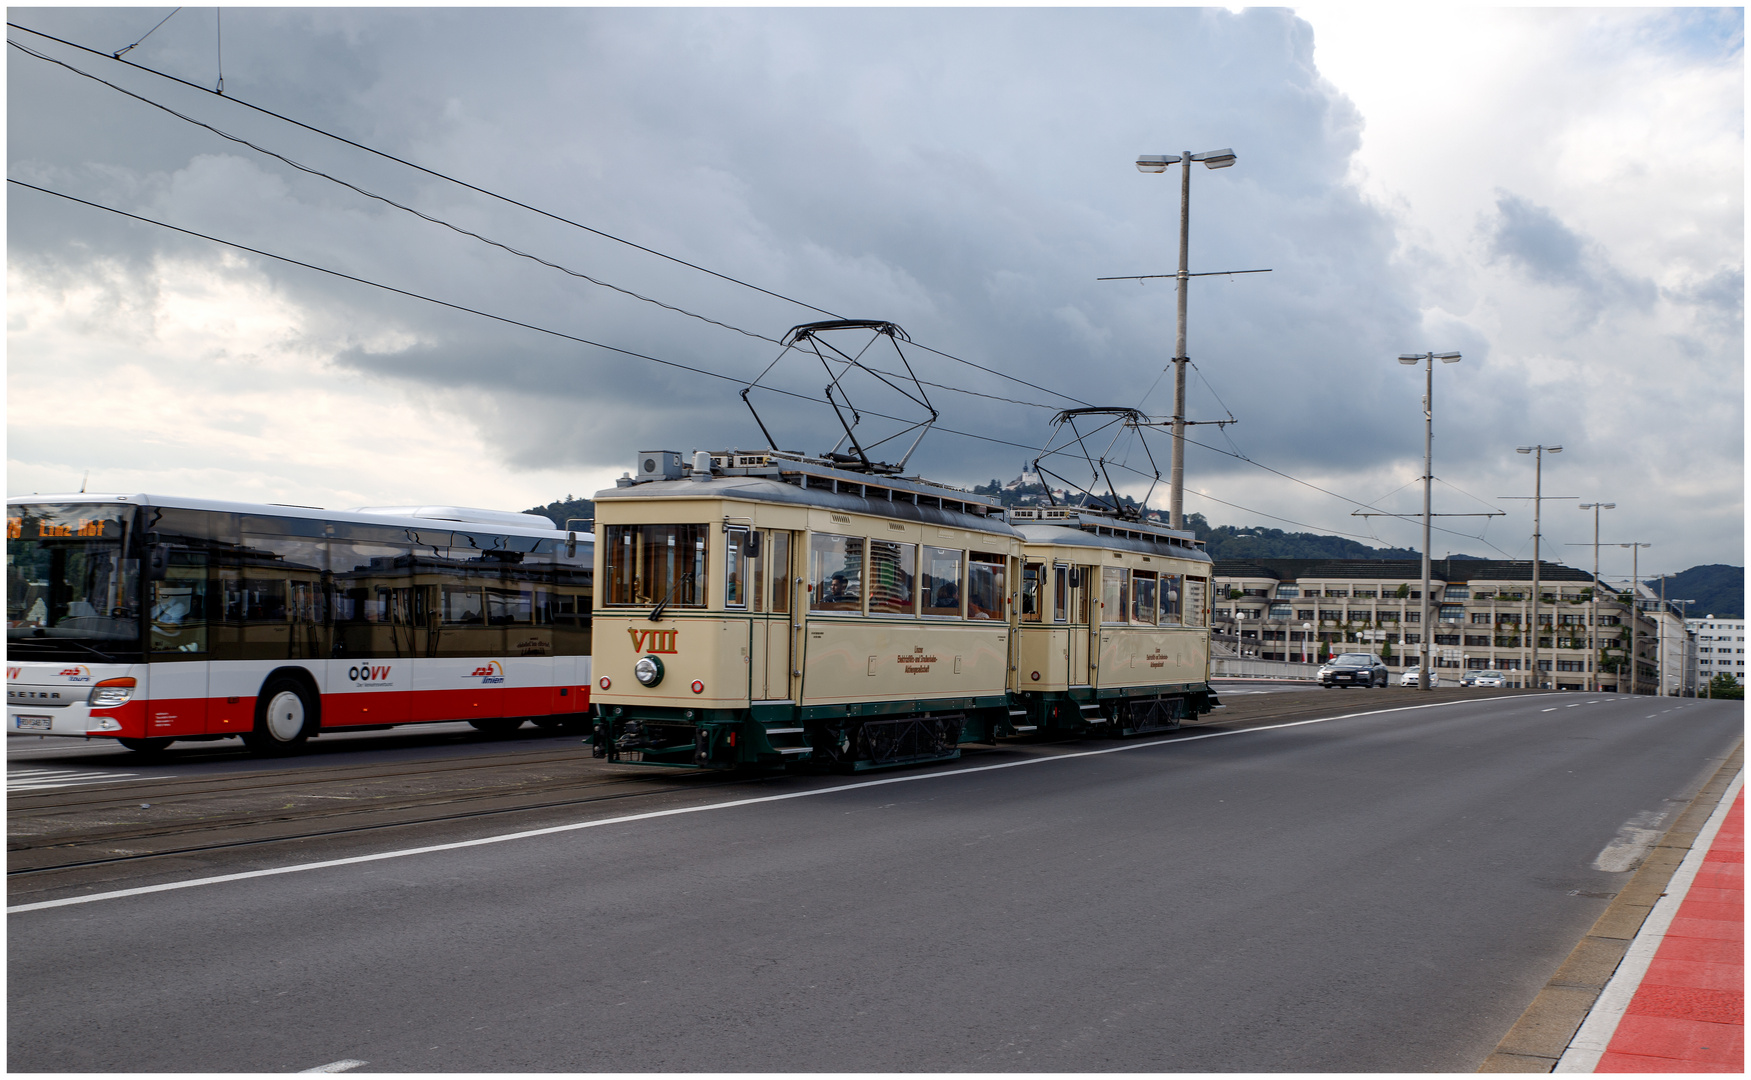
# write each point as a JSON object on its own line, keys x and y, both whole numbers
{"x": 1720, "y": 648}
{"x": 1480, "y": 617}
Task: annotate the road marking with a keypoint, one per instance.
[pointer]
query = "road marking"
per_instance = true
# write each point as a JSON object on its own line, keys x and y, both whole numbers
{"x": 678, "y": 811}
{"x": 1630, "y": 846}
{"x": 1589, "y": 1043}
{"x": 1575, "y": 705}
{"x": 1551, "y": 709}
{"x": 45, "y": 779}
{"x": 337, "y": 1066}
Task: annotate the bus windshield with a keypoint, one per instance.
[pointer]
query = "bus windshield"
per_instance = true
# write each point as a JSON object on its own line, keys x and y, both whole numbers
{"x": 72, "y": 581}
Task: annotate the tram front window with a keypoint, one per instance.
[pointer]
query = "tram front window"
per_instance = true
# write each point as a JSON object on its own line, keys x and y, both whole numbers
{"x": 71, "y": 578}
{"x": 651, "y": 564}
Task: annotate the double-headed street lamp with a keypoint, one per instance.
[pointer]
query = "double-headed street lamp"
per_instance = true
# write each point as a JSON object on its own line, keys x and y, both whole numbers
{"x": 1537, "y": 504}
{"x": 1635, "y": 611}
{"x": 1425, "y": 677}
{"x": 1593, "y": 613}
{"x": 1158, "y": 163}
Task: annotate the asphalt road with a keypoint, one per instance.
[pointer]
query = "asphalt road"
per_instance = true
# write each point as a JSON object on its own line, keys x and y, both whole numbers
{"x": 1381, "y": 892}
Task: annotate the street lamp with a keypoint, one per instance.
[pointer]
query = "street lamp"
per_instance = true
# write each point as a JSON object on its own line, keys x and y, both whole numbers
{"x": 1307, "y": 643}
{"x": 1593, "y": 614}
{"x": 1158, "y": 163}
{"x": 1537, "y": 504}
{"x": 1685, "y": 658}
{"x": 1425, "y": 678}
{"x": 1635, "y": 614}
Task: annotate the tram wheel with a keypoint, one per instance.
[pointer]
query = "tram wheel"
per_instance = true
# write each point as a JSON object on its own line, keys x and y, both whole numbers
{"x": 496, "y": 725}
{"x": 285, "y": 715}
{"x": 146, "y": 746}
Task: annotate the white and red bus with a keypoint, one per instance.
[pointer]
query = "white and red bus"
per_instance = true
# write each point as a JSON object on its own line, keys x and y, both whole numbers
{"x": 148, "y": 619}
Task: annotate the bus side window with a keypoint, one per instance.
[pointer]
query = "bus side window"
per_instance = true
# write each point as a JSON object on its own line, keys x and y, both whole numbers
{"x": 178, "y": 604}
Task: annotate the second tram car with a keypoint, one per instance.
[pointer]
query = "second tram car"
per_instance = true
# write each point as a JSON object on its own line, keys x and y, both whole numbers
{"x": 769, "y": 609}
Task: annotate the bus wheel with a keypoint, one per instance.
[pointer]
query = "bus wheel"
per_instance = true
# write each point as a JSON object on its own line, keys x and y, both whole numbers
{"x": 496, "y": 725}
{"x": 146, "y": 746}
{"x": 284, "y": 718}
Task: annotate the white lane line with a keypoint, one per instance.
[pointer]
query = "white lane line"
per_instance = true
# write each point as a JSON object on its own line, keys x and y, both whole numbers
{"x": 336, "y": 1066}
{"x": 1595, "y": 1033}
{"x": 1572, "y": 706}
{"x": 68, "y": 779}
{"x": 678, "y": 811}
{"x": 1551, "y": 709}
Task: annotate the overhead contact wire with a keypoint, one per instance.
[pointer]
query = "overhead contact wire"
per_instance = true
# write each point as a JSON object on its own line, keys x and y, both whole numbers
{"x": 521, "y": 205}
{"x": 476, "y": 311}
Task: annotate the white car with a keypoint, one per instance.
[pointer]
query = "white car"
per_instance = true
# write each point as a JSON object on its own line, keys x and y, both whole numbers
{"x": 1414, "y": 677}
{"x": 1491, "y": 679}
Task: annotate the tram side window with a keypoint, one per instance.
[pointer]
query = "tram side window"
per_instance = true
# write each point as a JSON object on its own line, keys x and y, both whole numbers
{"x": 1187, "y": 597}
{"x": 736, "y": 568}
{"x": 1032, "y": 580}
{"x": 1113, "y": 595}
{"x": 648, "y": 564}
{"x": 892, "y": 578}
{"x": 835, "y": 572}
{"x": 985, "y": 586}
{"x": 941, "y": 581}
{"x": 1060, "y": 593}
{"x": 777, "y": 558}
{"x": 1143, "y": 596}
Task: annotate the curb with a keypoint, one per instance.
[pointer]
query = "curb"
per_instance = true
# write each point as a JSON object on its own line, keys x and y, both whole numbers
{"x": 1541, "y": 1036}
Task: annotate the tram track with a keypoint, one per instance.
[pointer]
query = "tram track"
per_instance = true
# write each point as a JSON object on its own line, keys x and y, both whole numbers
{"x": 110, "y": 828}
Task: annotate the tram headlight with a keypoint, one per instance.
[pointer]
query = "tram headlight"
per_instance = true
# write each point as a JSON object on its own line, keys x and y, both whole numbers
{"x": 648, "y": 671}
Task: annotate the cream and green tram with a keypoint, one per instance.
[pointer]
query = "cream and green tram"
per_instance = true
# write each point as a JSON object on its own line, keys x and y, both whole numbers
{"x": 1114, "y": 625}
{"x": 766, "y": 609}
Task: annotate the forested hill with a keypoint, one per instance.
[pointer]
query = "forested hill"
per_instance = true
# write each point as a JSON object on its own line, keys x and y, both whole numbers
{"x": 559, "y": 511}
{"x": 1718, "y": 590}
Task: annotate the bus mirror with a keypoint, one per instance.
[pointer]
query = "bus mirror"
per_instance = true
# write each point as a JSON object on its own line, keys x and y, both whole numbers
{"x": 571, "y": 545}
{"x": 158, "y": 566}
{"x": 1076, "y": 577}
{"x": 753, "y": 547}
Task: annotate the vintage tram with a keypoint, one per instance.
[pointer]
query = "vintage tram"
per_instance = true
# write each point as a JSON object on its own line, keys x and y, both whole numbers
{"x": 772, "y": 609}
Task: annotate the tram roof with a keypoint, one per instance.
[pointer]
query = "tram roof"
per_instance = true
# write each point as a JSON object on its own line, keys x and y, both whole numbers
{"x": 1112, "y": 535}
{"x": 811, "y": 484}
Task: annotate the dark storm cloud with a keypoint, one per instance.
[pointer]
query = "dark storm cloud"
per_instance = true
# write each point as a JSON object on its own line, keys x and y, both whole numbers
{"x": 1532, "y": 238}
{"x": 966, "y": 174}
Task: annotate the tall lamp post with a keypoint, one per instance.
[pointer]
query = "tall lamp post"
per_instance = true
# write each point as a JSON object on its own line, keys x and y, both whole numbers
{"x": 1635, "y": 611}
{"x": 1158, "y": 163}
{"x": 1593, "y": 613}
{"x": 1537, "y": 504}
{"x": 1684, "y": 656}
{"x": 1425, "y": 676}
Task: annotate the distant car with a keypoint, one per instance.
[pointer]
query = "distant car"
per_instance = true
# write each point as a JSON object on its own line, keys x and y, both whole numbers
{"x": 1468, "y": 678}
{"x": 1493, "y": 679}
{"x": 1414, "y": 677}
{"x": 1353, "y": 669}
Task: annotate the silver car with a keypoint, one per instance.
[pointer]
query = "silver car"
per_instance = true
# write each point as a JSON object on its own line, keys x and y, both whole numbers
{"x": 1491, "y": 679}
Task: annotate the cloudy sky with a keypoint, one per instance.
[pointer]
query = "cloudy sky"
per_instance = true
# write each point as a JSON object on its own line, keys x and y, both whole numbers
{"x": 1558, "y": 194}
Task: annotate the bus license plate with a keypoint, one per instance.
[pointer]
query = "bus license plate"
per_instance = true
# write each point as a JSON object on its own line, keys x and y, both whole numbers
{"x": 33, "y": 723}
